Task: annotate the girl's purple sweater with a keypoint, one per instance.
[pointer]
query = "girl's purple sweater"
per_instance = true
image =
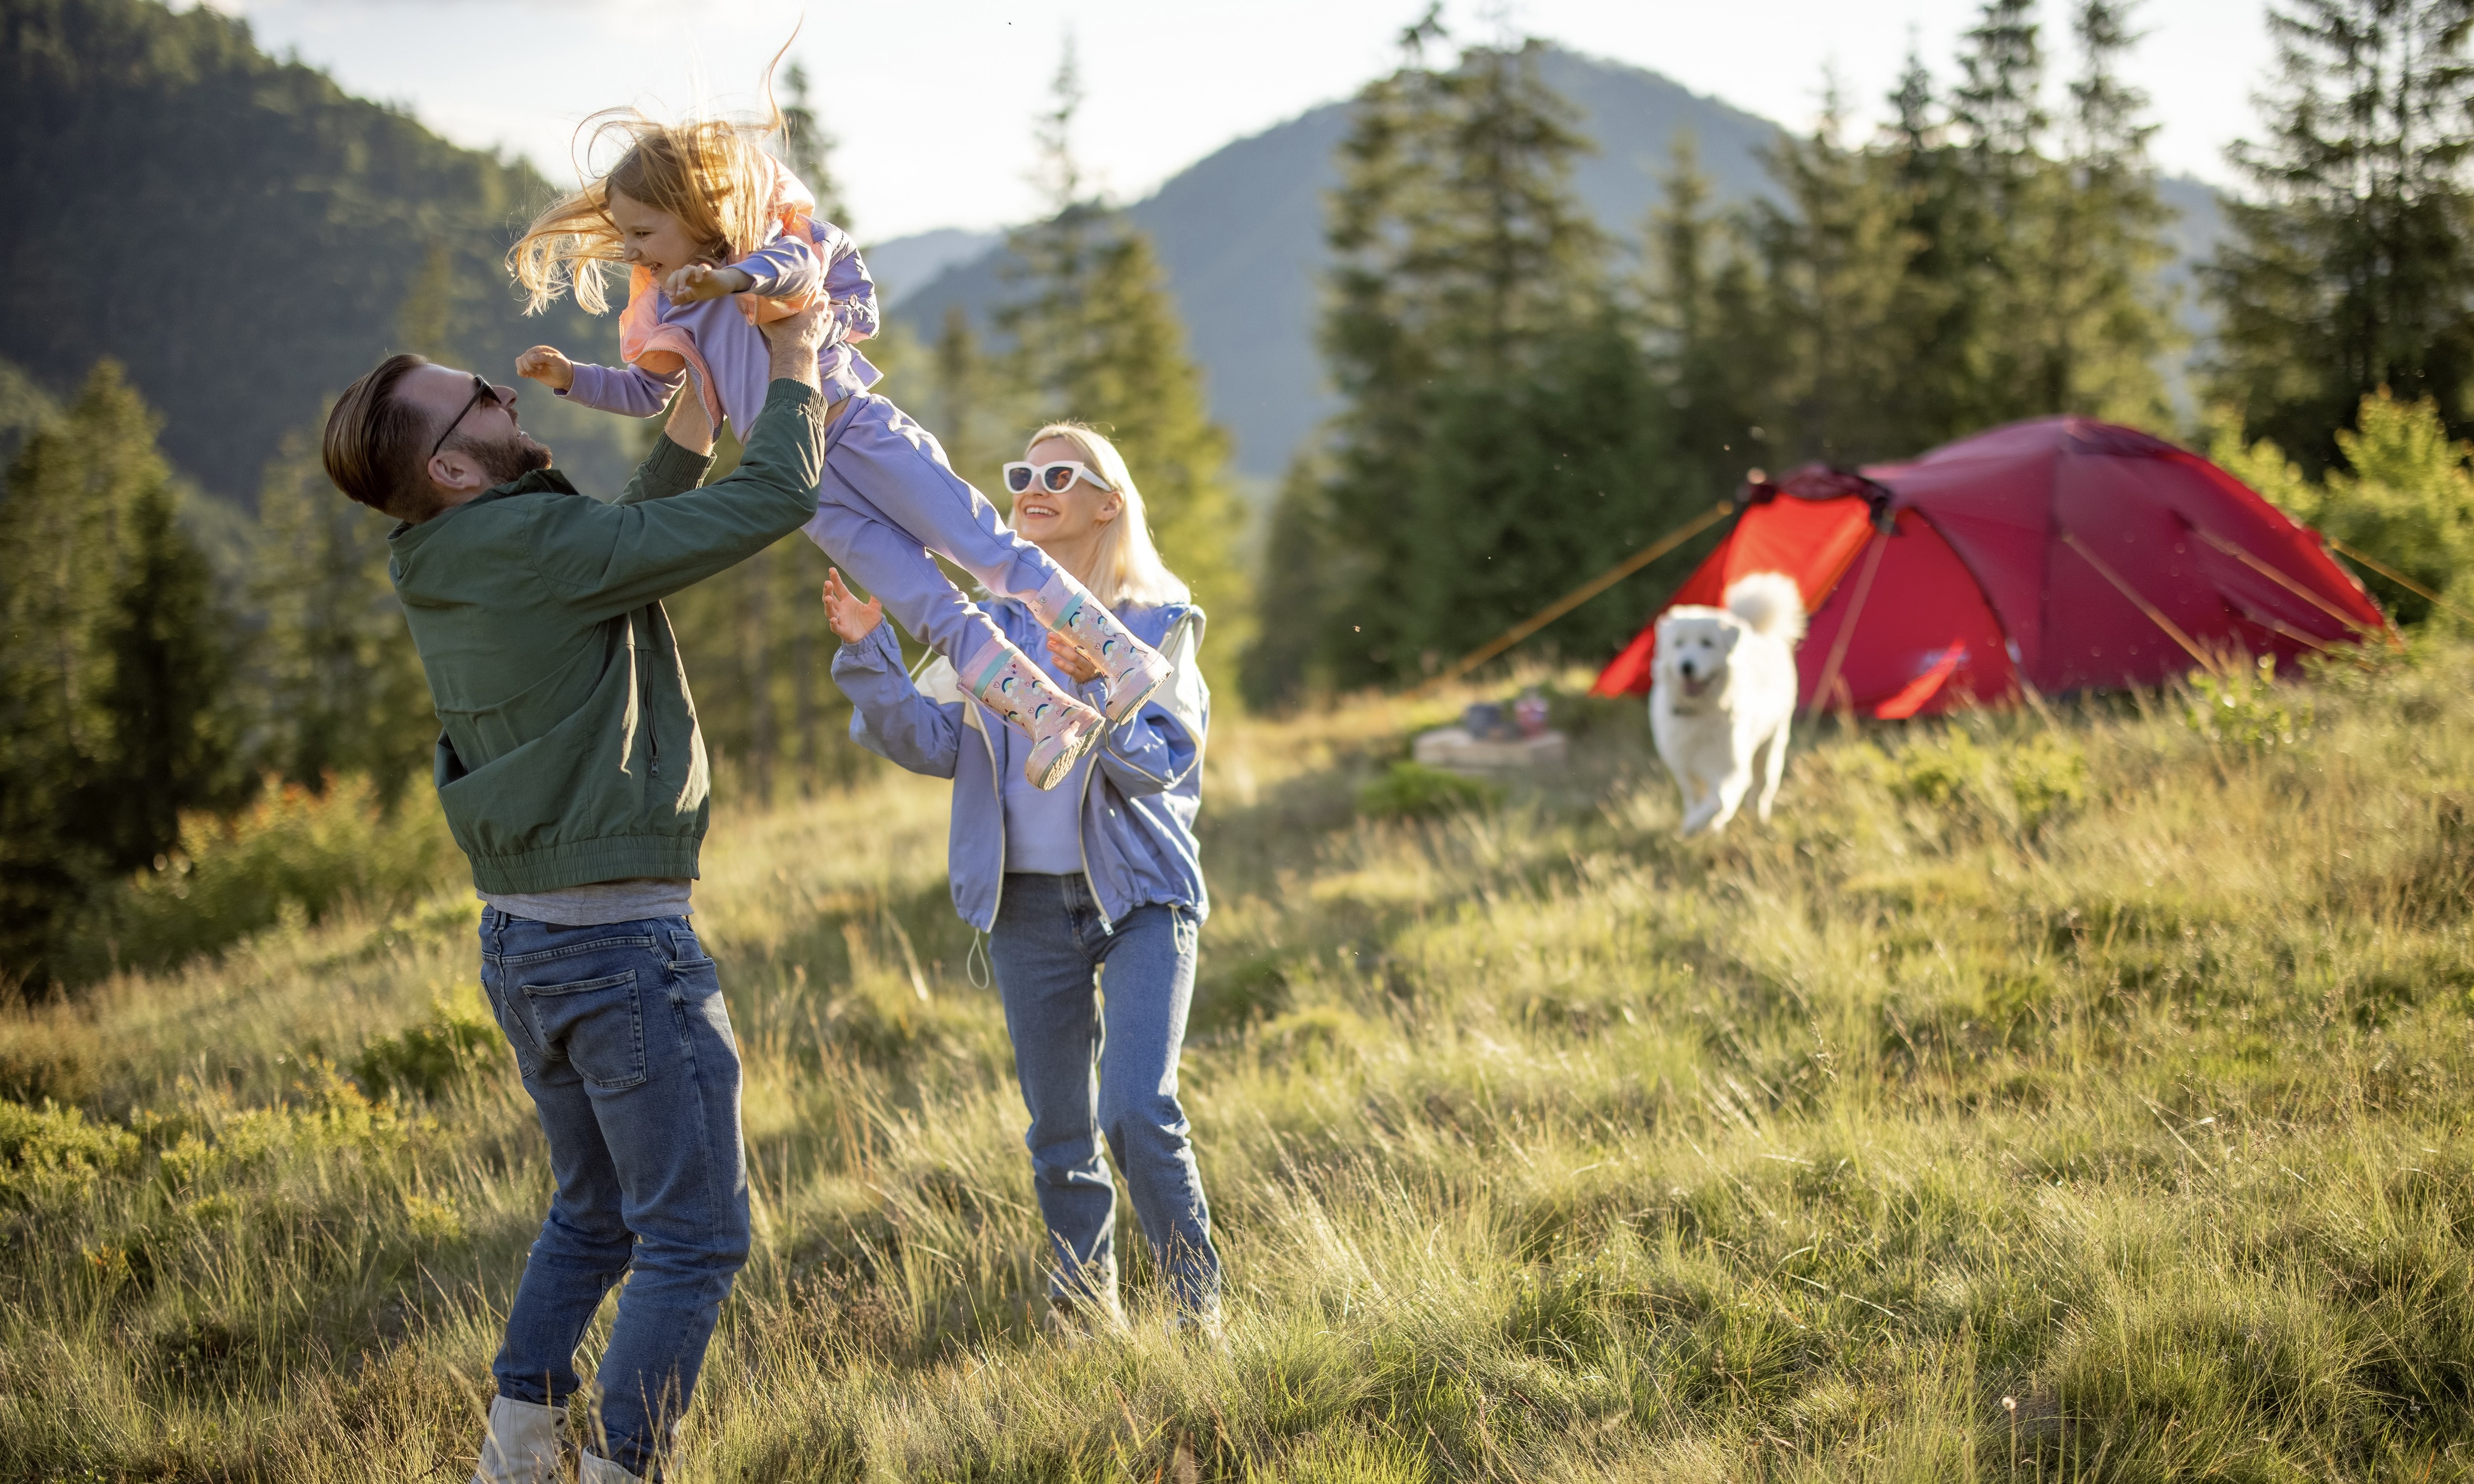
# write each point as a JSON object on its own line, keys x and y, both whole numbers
{"x": 784, "y": 268}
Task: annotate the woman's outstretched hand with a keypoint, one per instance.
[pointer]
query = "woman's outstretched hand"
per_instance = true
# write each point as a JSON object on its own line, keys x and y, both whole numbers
{"x": 1076, "y": 665}
{"x": 851, "y": 618}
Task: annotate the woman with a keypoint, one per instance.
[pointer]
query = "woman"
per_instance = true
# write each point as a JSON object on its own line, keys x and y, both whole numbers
{"x": 1091, "y": 893}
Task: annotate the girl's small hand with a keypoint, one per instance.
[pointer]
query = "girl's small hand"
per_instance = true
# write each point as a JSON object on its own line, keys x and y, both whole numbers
{"x": 1077, "y": 666}
{"x": 697, "y": 282}
{"x": 851, "y": 618}
{"x": 546, "y": 365}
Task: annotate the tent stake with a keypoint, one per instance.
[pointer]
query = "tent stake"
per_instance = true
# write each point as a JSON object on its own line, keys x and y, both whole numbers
{"x": 1578, "y": 597}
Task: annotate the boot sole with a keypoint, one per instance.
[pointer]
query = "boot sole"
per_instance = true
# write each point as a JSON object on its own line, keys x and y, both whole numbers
{"x": 1055, "y": 771}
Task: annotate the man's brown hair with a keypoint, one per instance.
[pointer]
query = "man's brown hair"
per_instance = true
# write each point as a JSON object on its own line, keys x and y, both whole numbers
{"x": 372, "y": 441}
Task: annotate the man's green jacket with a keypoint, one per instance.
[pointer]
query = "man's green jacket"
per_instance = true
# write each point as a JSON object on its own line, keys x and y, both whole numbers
{"x": 569, "y": 752}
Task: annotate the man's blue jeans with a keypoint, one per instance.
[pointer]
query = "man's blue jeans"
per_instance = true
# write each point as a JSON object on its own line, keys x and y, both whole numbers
{"x": 1093, "y": 1069}
{"x": 624, "y": 1044}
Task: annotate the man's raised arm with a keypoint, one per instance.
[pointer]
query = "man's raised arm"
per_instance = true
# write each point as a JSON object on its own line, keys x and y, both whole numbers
{"x": 616, "y": 557}
{"x": 680, "y": 456}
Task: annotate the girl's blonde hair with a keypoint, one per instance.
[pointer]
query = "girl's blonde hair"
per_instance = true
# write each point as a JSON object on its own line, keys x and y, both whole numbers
{"x": 1129, "y": 571}
{"x": 711, "y": 174}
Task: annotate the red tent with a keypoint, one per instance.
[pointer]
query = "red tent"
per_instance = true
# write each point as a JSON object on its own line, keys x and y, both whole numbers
{"x": 2063, "y": 553}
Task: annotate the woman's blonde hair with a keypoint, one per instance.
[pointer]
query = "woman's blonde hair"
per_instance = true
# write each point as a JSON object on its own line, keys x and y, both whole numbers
{"x": 1129, "y": 571}
{"x": 711, "y": 174}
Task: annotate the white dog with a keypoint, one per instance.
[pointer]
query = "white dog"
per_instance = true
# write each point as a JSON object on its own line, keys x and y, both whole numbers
{"x": 1723, "y": 693}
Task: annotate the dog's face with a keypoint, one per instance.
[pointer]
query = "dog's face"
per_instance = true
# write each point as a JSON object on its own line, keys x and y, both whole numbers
{"x": 1693, "y": 648}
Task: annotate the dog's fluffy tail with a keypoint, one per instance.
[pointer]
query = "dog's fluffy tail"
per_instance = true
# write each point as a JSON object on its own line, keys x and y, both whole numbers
{"x": 1770, "y": 602}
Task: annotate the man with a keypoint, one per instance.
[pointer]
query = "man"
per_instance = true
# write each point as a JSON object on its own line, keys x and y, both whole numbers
{"x": 574, "y": 777}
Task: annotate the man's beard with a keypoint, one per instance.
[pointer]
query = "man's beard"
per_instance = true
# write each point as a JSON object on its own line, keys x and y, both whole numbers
{"x": 510, "y": 459}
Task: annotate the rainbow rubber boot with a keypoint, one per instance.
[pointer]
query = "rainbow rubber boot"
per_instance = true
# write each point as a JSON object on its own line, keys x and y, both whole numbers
{"x": 1061, "y": 728}
{"x": 1130, "y": 669}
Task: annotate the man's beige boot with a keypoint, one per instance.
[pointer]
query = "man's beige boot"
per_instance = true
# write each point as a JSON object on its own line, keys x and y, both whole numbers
{"x": 593, "y": 1469}
{"x": 521, "y": 1445}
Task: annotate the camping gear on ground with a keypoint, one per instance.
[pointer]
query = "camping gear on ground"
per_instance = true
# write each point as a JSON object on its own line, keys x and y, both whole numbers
{"x": 1493, "y": 739}
{"x": 2051, "y": 556}
{"x": 1529, "y": 713}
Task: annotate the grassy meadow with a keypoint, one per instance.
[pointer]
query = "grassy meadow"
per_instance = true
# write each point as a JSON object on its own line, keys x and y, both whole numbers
{"x": 2084, "y": 1094}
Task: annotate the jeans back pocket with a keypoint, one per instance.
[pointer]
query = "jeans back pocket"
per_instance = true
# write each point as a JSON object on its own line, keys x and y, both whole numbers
{"x": 598, "y": 1023}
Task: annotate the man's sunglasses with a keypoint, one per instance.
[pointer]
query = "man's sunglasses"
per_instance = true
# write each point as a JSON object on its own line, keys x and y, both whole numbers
{"x": 482, "y": 392}
{"x": 1055, "y": 478}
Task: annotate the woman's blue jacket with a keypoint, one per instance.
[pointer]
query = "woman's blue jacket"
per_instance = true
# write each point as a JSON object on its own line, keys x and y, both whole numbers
{"x": 1139, "y": 802}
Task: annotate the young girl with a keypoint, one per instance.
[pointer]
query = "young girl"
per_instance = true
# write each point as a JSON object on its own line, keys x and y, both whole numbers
{"x": 718, "y": 237}
{"x": 1097, "y": 886}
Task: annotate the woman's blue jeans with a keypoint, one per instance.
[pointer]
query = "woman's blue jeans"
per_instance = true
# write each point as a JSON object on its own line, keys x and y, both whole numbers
{"x": 625, "y": 1046}
{"x": 1097, "y": 1018}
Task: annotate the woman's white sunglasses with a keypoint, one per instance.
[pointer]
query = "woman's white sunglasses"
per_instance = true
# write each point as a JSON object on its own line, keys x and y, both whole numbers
{"x": 1055, "y": 478}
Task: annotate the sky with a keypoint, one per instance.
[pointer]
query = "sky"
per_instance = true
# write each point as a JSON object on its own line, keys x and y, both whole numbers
{"x": 931, "y": 100}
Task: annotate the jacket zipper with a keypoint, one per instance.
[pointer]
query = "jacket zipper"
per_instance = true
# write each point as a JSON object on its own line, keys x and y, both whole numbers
{"x": 996, "y": 789}
{"x": 644, "y": 688}
{"x": 1083, "y": 845}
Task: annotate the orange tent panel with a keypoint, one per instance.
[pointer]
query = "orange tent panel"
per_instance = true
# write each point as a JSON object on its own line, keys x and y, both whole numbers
{"x": 1811, "y": 540}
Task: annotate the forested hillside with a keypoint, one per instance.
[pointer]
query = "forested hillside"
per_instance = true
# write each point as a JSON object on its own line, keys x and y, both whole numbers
{"x": 243, "y": 235}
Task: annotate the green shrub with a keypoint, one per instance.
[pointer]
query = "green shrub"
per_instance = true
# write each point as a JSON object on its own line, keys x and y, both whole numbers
{"x": 2023, "y": 786}
{"x": 427, "y": 1059}
{"x": 292, "y": 853}
{"x": 2405, "y": 498}
{"x": 2244, "y": 709}
{"x": 1412, "y": 790}
{"x": 53, "y": 1148}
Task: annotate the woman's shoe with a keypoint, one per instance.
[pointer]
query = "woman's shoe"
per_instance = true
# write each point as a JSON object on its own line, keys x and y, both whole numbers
{"x": 1061, "y": 728}
{"x": 1130, "y": 669}
{"x": 1073, "y": 1319}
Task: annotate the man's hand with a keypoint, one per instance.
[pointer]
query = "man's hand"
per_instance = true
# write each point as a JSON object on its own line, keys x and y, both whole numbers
{"x": 851, "y": 618}
{"x": 697, "y": 282}
{"x": 1076, "y": 665}
{"x": 690, "y": 426}
{"x": 796, "y": 341}
{"x": 546, "y": 365}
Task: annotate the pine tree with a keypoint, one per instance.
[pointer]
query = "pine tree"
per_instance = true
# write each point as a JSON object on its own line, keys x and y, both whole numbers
{"x": 1696, "y": 304}
{"x": 808, "y": 149}
{"x": 176, "y": 721}
{"x": 1495, "y": 447}
{"x": 1097, "y": 338}
{"x": 2006, "y": 227}
{"x": 964, "y": 402}
{"x": 2108, "y": 324}
{"x": 1939, "y": 308}
{"x": 341, "y": 687}
{"x": 2350, "y": 266}
{"x": 1834, "y": 256}
{"x": 111, "y": 718}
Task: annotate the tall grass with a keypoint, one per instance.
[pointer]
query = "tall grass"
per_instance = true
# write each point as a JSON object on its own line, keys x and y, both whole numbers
{"x": 2040, "y": 1097}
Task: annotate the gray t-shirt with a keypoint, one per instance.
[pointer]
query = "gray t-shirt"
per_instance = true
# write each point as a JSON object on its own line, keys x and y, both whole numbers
{"x": 600, "y": 903}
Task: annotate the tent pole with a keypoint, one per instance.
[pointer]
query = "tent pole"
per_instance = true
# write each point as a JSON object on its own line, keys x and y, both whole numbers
{"x": 1578, "y": 597}
{"x": 2155, "y": 614}
{"x": 1847, "y": 629}
{"x": 2396, "y": 577}
{"x": 2287, "y": 583}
